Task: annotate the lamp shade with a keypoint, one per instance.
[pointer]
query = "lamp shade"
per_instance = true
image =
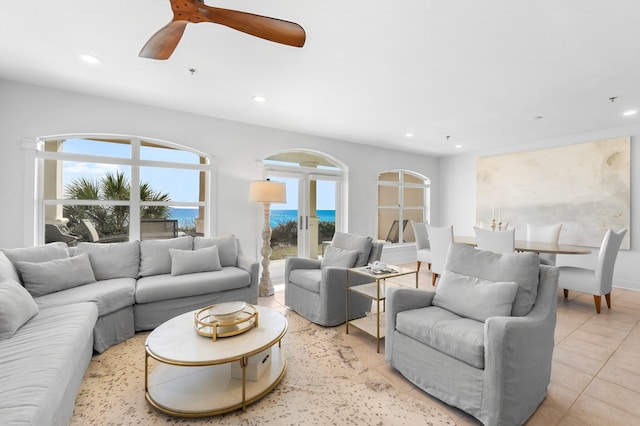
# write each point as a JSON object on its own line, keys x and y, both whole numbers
{"x": 266, "y": 191}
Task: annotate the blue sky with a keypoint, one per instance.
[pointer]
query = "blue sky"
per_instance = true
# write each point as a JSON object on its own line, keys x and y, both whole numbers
{"x": 181, "y": 185}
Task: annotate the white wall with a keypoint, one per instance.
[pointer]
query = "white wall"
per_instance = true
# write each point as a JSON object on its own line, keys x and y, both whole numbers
{"x": 27, "y": 112}
{"x": 458, "y": 199}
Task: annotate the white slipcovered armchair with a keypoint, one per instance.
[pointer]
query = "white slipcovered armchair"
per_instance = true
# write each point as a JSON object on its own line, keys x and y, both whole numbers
{"x": 316, "y": 289}
{"x": 483, "y": 341}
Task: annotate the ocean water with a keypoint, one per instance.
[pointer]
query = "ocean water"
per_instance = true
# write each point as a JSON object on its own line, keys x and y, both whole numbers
{"x": 277, "y": 216}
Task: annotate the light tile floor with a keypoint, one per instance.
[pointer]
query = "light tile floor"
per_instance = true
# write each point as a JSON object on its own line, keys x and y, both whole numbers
{"x": 595, "y": 378}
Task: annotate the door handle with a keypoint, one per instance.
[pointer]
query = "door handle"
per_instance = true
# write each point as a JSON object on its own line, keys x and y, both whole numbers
{"x": 301, "y": 223}
{"x": 307, "y": 224}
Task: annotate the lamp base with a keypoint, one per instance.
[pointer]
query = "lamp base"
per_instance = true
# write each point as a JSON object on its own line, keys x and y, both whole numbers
{"x": 266, "y": 287}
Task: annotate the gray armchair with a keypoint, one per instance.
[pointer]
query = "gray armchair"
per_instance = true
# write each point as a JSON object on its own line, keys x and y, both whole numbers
{"x": 316, "y": 289}
{"x": 483, "y": 341}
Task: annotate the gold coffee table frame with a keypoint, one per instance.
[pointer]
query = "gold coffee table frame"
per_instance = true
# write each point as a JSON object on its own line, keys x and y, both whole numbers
{"x": 193, "y": 374}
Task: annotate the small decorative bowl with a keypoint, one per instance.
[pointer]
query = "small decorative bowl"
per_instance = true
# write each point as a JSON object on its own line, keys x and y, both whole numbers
{"x": 228, "y": 311}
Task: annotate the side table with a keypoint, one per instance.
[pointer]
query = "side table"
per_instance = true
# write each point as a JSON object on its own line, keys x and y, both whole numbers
{"x": 376, "y": 291}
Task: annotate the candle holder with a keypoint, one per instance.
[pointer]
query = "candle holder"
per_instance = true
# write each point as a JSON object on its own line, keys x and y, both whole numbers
{"x": 493, "y": 224}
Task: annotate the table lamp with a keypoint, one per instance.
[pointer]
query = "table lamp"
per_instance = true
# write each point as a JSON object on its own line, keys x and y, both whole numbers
{"x": 266, "y": 192}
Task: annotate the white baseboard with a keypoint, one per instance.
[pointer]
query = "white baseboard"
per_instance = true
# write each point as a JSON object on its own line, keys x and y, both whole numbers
{"x": 629, "y": 285}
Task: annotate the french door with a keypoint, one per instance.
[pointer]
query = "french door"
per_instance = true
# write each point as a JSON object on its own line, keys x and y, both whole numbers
{"x": 313, "y": 202}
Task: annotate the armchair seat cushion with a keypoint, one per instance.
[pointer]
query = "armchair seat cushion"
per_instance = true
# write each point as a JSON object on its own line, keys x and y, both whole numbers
{"x": 309, "y": 279}
{"x": 460, "y": 338}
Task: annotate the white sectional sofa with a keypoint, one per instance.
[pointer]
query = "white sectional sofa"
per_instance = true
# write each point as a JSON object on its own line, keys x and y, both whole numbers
{"x": 58, "y": 305}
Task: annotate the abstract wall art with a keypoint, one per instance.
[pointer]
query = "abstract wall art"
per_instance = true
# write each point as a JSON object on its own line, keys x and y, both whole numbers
{"x": 586, "y": 187}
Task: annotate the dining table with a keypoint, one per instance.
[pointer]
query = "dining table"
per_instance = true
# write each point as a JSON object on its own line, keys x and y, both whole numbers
{"x": 533, "y": 246}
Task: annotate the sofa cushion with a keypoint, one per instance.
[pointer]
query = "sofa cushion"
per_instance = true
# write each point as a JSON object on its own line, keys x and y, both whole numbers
{"x": 190, "y": 261}
{"x": 163, "y": 287}
{"x": 309, "y": 279}
{"x": 334, "y": 256}
{"x": 45, "y": 253}
{"x": 56, "y": 275}
{"x": 474, "y": 297}
{"x": 108, "y": 295}
{"x": 227, "y": 248}
{"x": 521, "y": 268}
{"x": 460, "y": 338}
{"x": 7, "y": 270}
{"x": 43, "y": 363}
{"x": 115, "y": 260}
{"x": 354, "y": 242}
{"x": 154, "y": 254}
{"x": 16, "y": 307}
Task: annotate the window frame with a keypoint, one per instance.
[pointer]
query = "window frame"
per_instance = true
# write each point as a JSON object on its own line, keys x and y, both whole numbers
{"x": 35, "y": 232}
{"x": 400, "y": 184}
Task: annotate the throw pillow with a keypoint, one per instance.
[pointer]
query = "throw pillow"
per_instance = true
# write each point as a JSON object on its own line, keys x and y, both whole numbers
{"x": 16, "y": 307}
{"x": 354, "y": 242}
{"x": 154, "y": 254}
{"x": 520, "y": 268}
{"x": 227, "y": 248}
{"x": 334, "y": 256}
{"x": 45, "y": 253}
{"x": 56, "y": 275}
{"x": 473, "y": 297}
{"x": 192, "y": 261}
{"x": 115, "y": 260}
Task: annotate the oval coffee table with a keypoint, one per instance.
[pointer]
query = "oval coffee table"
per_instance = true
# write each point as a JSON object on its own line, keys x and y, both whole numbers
{"x": 193, "y": 377}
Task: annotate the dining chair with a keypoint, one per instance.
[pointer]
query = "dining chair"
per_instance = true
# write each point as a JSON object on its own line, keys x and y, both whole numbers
{"x": 496, "y": 241}
{"x": 599, "y": 281}
{"x": 545, "y": 234}
{"x": 423, "y": 249}
{"x": 440, "y": 238}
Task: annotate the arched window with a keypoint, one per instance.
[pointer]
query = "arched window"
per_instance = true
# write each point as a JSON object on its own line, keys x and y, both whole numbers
{"x": 112, "y": 188}
{"x": 402, "y": 196}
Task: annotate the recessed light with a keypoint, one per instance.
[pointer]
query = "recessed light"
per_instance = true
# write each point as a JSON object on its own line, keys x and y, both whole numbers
{"x": 458, "y": 146}
{"x": 90, "y": 59}
{"x": 630, "y": 112}
{"x": 408, "y": 135}
{"x": 259, "y": 98}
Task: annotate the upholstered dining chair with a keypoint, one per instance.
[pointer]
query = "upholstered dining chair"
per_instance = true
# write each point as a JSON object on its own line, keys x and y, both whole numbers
{"x": 496, "y": 241}
{"x": 440, "y": 238}
{"x": 599, "y": 281}
{"x": 423, "y": 249}
{"x": 545, "y": 234}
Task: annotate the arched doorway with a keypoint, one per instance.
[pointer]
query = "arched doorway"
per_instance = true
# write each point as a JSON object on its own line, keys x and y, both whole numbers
{"x": 316, "y": 196}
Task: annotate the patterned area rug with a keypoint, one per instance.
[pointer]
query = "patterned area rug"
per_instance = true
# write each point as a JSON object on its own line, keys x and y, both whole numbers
{"x": 325, "y": 384}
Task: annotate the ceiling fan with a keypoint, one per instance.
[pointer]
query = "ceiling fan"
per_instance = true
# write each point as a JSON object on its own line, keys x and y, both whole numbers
{"x": 162, "y": 44}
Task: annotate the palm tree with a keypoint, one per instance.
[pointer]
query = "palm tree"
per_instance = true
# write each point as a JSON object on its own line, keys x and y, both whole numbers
{"x": 109, "y": 220}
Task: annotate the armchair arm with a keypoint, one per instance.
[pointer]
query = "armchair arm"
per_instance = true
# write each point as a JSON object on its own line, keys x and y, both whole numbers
{"x": 252, "y": 268}
{"x": 299, "y": 263}
{"x": 400, "y": 299}
{"x": 518, "y": 354}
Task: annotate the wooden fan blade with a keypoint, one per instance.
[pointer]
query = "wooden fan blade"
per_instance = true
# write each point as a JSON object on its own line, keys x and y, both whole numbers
{"x": 272, "y": 29}
{"x": 162, "y": 44}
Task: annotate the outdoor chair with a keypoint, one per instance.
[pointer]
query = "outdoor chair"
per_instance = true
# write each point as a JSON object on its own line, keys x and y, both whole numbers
{"x": 59, "y": 232}
{"x": 95, "y": 238}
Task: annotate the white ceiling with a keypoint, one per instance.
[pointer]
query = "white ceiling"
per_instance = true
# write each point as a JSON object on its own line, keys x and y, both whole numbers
{"x": 370, "y": 71}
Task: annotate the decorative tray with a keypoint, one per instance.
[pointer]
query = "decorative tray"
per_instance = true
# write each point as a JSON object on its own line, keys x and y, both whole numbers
{"x": 225, "y": 319}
